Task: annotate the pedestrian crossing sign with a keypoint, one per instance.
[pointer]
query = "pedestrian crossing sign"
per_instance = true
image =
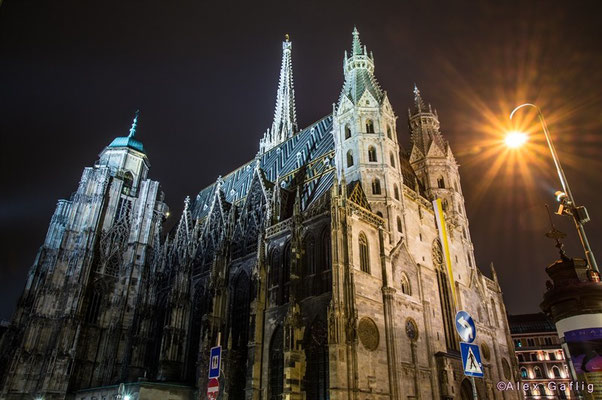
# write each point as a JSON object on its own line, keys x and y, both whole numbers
{"x": 471, "y": 360}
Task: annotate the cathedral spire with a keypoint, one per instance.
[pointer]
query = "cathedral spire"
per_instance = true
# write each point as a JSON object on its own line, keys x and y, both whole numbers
{"x": 284, "y": 125}
{"x": 134, "y": 125}
{"x": 357, "y": 45}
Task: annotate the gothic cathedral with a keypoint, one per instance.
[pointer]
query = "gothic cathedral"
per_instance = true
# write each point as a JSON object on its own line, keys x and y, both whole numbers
{"x": 330, "y": 266}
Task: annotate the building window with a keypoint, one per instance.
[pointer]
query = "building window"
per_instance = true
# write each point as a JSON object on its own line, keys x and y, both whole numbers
{"x": 494, "y": 311}
{"x": 389, "y": 134}
{"x": 392, "y": 156}
{"x": 441, "y": 183}
{"x": 379, "y": 214}
{"x": 276, "y": 365}
{"x": 369, "y": 126}
{"x": 538, "y": 373}
{"x": 93, "y": 310}
{"x": 531, "y": 342}
{"x": 316, "y": 381}
{"x": 399, "y": 228}
{"x": 309, "y": 266}
{"x": 350, "y": 158}
{"x": 524, "y": 373}
{"x": 364, "y": 253}
{"x": 376, "y": 186}
{"x": 405, "y": 285}
{"x": 556, "y": 372}
{"x": 444, "y": 296}
{"x": 274, "y": 277}
{"x": 372, "y": 154}
{"x": 396, "y": 192}
{"x": 347, "y": 132}
{"x": 326, "y": 281}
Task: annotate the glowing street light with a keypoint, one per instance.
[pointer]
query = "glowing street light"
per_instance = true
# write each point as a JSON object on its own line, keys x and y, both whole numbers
{"x": 565, "y": 197}
{"x": 515, "y": 139}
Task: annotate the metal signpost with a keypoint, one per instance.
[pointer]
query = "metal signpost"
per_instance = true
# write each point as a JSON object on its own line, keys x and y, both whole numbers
{"x": 215, "y": 361}
{"x": 471, "y": 356}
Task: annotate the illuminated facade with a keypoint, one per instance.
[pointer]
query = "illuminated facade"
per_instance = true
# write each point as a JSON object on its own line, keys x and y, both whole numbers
{"x": 540, "y": 357}
{"x": 319, "y": 264}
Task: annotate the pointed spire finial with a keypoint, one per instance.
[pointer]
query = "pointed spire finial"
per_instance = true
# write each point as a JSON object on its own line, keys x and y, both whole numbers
{"x": 418, "y": 102}
{"x": 286, "y": 37}
{"x": 134, "y": 124}
{"x": 356, "y": 48}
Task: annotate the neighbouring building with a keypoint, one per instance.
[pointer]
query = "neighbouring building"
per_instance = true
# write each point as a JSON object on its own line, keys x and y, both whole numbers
{"x": 331, "y": 265}
{"x": 541, "y": 360}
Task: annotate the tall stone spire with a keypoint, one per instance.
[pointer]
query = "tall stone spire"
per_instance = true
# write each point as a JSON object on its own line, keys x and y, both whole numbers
{"x": 134, "y": 125}
{"x": 284, "y": 125}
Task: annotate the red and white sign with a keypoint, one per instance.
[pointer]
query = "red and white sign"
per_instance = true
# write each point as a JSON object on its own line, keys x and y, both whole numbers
{"x": 212, "y": 389}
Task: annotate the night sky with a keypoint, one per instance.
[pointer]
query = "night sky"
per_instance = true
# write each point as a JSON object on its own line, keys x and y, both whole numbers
{"x": 204, "y": 75}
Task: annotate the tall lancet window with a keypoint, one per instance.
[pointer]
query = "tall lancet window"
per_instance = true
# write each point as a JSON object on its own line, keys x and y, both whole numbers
{"x": 276, "y": 365}
{"x": 376, "y": 186}
{"x": 369, "y": 126}
{"x": 95, "y": 301}
{"x": 392, "y": 156}
{"x": 350, "y": 158}
{"x": 447, "y": 305}
{"x": 364, "y": 253}
{"x": 441, "y": 183}
{"x": 347, "y": 131}
{"x": 372, "y": 154}
{"x": 316, "y": 380}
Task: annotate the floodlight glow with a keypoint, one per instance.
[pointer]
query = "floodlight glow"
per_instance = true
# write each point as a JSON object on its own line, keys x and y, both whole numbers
{"x": 515, "y": 139}
{"x": 127, "y": 397}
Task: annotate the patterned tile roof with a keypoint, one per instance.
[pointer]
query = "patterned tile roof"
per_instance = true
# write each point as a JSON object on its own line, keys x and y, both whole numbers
{"x": 307, "y": 156}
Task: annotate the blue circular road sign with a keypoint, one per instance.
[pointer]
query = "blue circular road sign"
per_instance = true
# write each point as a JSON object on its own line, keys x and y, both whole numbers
{"x": 465, "y": 327}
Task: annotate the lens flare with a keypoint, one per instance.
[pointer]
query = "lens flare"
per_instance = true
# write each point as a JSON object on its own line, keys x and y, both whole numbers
{"x": 515, "y": 139}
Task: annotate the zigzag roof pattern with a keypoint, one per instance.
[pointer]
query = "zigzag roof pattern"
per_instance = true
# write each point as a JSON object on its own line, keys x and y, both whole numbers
{"x": 288, "y": 163}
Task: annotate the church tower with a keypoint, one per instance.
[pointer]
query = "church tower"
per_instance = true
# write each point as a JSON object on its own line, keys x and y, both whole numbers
{"x": 284, "y": 125}
{"x": 436, "y": 167}
{"x": 366, "y": 144}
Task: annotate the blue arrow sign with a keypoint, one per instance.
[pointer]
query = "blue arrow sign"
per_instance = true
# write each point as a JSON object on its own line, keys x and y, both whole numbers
{"x": 215, "y": 360}
{"x": 466, "y": 327}
{"x": 471, "y": 360}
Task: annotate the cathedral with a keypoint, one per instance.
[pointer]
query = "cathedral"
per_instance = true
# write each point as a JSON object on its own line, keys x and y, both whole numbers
{"x": 330, "y": 266}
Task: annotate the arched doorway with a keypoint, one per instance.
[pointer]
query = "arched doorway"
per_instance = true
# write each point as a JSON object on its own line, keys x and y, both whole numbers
{"x": 466, "y": 390}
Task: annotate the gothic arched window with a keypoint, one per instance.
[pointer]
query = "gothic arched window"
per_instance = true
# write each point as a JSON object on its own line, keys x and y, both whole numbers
{"x": 494, "y": 311}
{"x": 389, "y": 134}
{"x": 405, "y": 285}
{"x": 372, "y": 154}
{"x": 286, "y": 273}
{"x": 316, "y": 382}
{"x": 538, "y": 373}
{"x": 392, "y": 156}
{"x": 379, "y": 214}
{"x": 350, "y": 158}
{"x": 376, "y": 186}
{"x": 274, "y": 277}
{"x": 369, "y": 126}
{"x": 556, "y": 372}
{"x": 309, "y": 266}
{"x": 523, "y": 373}
{"x": 276, "y": 365}
{"x": 399, "y": 227}
{"x": 128, "y": 181}
{"x": 326, "y": 280}
{"x": 347, "y": 131}
{"x": 364, "y": 253}
{"x": 441, "y": 183}
{"x": 240, "y": 333}
{"x": 93, "y": 311}
{"x": 396, "y": 192}
{"x": 444, "y": 296}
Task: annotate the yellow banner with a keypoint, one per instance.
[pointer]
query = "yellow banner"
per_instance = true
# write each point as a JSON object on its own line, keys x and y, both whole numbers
{"x": 440, "y": 217}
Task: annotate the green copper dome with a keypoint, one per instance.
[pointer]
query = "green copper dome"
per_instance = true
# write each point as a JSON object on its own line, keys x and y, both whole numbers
{"x": 130, "y": 140}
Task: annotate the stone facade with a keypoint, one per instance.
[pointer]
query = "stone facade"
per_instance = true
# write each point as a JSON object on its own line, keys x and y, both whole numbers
{"x": 319, "y": 266}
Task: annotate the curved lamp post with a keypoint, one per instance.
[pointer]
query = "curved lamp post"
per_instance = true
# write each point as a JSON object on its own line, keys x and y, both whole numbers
{"x": 567, "y": 202}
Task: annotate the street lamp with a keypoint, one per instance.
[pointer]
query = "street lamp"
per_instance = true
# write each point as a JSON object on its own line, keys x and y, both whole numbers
{"x": 565, "y": 197}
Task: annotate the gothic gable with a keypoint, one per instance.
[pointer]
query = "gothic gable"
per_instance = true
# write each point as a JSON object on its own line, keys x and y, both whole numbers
{"x": 357, "y": 195}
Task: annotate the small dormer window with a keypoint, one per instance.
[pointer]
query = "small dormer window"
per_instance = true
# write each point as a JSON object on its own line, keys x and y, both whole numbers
{"x": 372, "y": 154}
{"x": 367, "y": 103}
{"x": 369, "y": 126}
{"x": 347, "y": 132}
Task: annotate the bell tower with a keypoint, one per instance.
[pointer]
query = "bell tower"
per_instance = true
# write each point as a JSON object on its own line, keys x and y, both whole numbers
{"x": 364, "y": 127}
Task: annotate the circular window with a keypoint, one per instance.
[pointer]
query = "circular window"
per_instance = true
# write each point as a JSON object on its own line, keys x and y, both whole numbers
{"x": 368, "y": 333}
{"x": 485, "y": 351}
{"x": 411, "y": 329}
